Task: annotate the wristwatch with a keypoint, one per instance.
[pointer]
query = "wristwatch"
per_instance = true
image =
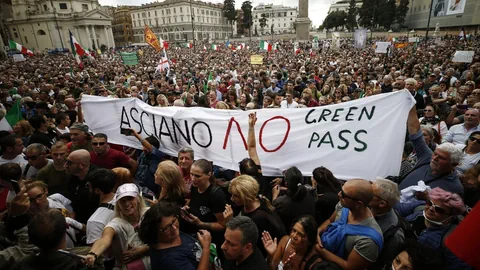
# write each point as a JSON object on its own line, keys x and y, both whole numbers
{"x": 94, "y": 255}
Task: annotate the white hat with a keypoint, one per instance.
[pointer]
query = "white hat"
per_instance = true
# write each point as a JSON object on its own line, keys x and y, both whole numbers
{"x": 129, "y": 189}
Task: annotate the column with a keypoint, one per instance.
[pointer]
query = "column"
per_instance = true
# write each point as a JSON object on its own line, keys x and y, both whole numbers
{"x": 77, "y": 36}
{"x": 107, "y": 36}
{"x": 89, "y": 39}
{"x": 110, "y": 31}
{"x": 95, "y": 38}
{"x": 302, "y": 21}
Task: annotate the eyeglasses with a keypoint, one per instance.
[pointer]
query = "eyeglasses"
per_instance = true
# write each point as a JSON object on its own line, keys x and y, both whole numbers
{"x": 34, "y": 157}
{"x": 436, "y": 208}
{"x": 473, "y": 139}
{"x": 98, "y": 143}
{"x": 344, "y": 195}
{"x": 39, "y": 196}
{"x": 428, "y": 110}
{"x": 169, "y": 227}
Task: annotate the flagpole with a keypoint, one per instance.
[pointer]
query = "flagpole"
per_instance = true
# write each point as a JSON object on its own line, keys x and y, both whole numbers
{"x": 428, "y": 23}
{"x": 193, "y": 24}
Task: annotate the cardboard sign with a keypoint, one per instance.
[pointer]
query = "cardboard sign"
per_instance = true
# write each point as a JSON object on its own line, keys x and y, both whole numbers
{"x": 349, "y": 138}
{"x": 382, "y": 47}
{"x": 18, "y": 57}
{"x": 256, "y": 59}
{"x": 463, "y": 56}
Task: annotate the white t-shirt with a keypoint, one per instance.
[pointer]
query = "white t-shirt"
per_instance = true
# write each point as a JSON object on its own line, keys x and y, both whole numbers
{"x": 32, "y": 171}
{"x": 20, "y": 160}
{"x": 285, "y": 105}
{"x": 97, "y": 222}
{"x": 73, "y": 227}
{"x": 63, "y": 131}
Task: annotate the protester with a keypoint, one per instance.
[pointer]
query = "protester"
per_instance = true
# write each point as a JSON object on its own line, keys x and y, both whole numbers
{"x": 54, "y": 174}
{"x": 36, "y": 155}
{"x": 12, "y": 148}
{"x": 169, "y": 178}
{"x": 327, "y": 187}
{"x": 81, "y": 138}
{"x": 105, "y": 157}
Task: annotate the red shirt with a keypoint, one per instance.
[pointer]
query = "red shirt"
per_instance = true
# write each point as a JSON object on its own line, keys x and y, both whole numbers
{"x": 112, "y": 159}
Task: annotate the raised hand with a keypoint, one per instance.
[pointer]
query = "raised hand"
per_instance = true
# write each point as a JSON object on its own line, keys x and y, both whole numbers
{"x": 269, "y": 244}
{"x": 252, "y": 119}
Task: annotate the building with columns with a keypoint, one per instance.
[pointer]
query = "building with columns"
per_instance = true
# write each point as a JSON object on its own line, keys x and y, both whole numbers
{"x": 40, "y": 24}
{"x": 283, "y": 19}
{"x": 172, "y": 21}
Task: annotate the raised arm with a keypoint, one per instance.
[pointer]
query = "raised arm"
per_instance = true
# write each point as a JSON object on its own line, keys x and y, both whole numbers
{"x": 412, "y": 122}
{"x": 144, "y": 143}
{"x": 251, "y": 141}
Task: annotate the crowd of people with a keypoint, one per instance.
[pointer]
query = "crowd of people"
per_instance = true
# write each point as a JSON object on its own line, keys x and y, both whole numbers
{"x": 70, "y": 199}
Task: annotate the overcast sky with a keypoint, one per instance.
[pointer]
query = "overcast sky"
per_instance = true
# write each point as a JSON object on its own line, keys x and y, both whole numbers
{"x": 317, "y": 10}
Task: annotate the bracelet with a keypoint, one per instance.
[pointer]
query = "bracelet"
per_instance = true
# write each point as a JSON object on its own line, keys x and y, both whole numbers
{"x": 94, "y": 255}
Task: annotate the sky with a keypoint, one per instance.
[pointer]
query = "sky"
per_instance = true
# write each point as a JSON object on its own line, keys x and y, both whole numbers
{"x": 317, "y": 9}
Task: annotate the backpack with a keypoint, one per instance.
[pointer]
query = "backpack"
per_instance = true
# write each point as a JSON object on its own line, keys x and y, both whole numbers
{"x": 401, "y": 224}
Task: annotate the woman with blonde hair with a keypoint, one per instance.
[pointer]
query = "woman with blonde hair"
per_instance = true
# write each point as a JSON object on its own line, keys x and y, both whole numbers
{"x": 169, "y": 177}
{"x": 222, "y": 106}
{"x": 24, "y": 130}
{"x": 244, "y": 190}
{"x": 123, "y": 177}
{"x": 162, "y": 100}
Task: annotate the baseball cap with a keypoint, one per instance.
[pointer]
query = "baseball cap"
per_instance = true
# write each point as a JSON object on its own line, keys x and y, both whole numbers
{"x": 81, "y": 127}
{"x": 126, "y": 190}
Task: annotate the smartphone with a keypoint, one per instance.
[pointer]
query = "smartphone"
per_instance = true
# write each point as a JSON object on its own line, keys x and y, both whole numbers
{"x": 15, "y": 186}
{"x": 462, "y": 106}
{"x": 126, "y": 131}
{"x": 184, "y": 212}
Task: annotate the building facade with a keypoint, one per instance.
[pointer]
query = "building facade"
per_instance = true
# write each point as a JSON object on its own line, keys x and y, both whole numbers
{"x": 343, "y": 5}
{"x": 283, "y": 19}
{"x": 172, "y": 21}
{"x": 445, "y": 14}
{"x": 42, "y": 24}
{"x": 122, "y": 27}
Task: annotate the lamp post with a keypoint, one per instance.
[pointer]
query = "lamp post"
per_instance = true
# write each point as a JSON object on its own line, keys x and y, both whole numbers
{"x": 428, "y": 23}
{"x": 193, "y": 24}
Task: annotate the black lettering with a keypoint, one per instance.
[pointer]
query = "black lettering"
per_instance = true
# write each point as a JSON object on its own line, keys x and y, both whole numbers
{"x": 122, "y": 120}
{"x": 364, "y": 111}
{"x": 209, "y": 134}
{"x": 335, "y": 116}
{"x": 312, "y": 121}
{"x": 325, "y": 112}
{"x": 330, "y": 141}
{"x": 168, "y": 133}
{"x": 360, "y": 141}
{"x": 177, "y": 127}
{"x": 314, "y": 134}
{"x": 340, "y": 135}
{"x": 154, "y": 126}
{"x": 143, "y": 126}
{"x": 139, "y": 131}
{"x": 350, "y": 113}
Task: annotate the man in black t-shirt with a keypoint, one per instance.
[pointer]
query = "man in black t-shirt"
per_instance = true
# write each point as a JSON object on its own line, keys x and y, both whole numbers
{"x": 240, "y": 246}
{"x": 42, "y": 134}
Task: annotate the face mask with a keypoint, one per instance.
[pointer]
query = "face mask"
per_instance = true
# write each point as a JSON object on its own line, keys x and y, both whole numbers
{"x": 439, "y": 223}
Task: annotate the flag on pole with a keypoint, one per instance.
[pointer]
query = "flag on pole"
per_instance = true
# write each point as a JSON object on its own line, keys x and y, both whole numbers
{"x": 77, "y": 49}
{"x": 14, "y": 114}
{"x": 214, "y": 47}
{"x": 205, "y": 86}
{"x": 204, "y": 48}
{"x": 265, "y": 45}
{"x": 296, "y": 49}
{"x": 188, "y": 45}
{"x": 164, "y": 65}
{"x": 20, "y": 47}
{"x": 152, "y": 39}
{"x": 462, "y": 35}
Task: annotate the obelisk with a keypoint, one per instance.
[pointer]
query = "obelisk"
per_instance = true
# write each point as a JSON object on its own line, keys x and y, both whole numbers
{"x": 303, "y": 22}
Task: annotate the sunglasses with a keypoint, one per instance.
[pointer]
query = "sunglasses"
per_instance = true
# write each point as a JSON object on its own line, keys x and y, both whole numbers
{"x": 436, "y": 208}
{"x": 169, "y": 227}
{"x": 344, "y": 195}
{"x": 473, "y": 139}
{"x": 98, "y": 143}
{"x": 34, "y": 157}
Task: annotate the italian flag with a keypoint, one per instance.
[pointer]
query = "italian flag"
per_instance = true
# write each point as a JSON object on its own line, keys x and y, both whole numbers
{"x": 20, "y": 47}
{"x": 77, "y": 49}
{"x": 265, "y": 45}
{"x": 214, "y": 47}
{"x": 189, "y": 45}
{"x": 204, "y": 48}
{"x": 296, "y": 49}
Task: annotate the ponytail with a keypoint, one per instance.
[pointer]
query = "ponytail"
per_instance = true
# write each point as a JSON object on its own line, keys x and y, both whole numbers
{"x": 267, "y": 202}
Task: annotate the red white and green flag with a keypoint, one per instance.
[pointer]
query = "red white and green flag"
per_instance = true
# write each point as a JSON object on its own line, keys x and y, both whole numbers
{"x": 20, "y": 47}
{"x": 266, "y": 46}
{"x": 204, "y": 48}
{"x": 77, "y": 49}
{"x": 188, "y": 45}
{"x": 214, "y": 47}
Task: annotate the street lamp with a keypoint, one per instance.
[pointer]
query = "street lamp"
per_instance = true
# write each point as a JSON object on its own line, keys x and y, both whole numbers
{"x": 193, "y": 24}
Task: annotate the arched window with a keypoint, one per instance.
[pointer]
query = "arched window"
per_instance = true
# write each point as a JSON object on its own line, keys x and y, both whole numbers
{"x": 41, "y": 32}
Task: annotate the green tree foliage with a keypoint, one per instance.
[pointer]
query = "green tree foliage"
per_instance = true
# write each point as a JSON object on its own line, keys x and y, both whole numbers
{"x": 335, "y": 19}
{"x": 247, "y": 15}
{"x": 401, "y": 12}
{"x": 386, "y": 13}
{"x": 229, "y": 11}
{"x": 351, "y": 22}
{"x": 263, "y": 21}
{"x": 366, "y": 13}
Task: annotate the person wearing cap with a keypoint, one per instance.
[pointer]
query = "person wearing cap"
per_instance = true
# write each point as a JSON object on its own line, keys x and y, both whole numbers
{"x": 81, "y": 138}
{"x": 120, "y": 234}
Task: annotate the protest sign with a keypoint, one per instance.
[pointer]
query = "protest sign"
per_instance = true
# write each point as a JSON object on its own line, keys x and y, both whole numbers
{"x": 362, "y": 138}
{"x": 381, "y": 47}
{"x": 360, "y": 37}
{"x": 463, "y": 56}
{"x": 413, "y": 39}
{"x": 401, "y": 45}
{"x": 18, "y": 57}
{"x": 129, "y": 58}
{"x": 256, "y": 59}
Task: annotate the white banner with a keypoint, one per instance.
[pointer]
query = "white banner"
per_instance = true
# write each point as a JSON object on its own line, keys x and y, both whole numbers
{"x": 463, "y": 56}
{"x": 382, "y": 47}
{"x": 18, "y": 57}
{"x": 362, "y": 138}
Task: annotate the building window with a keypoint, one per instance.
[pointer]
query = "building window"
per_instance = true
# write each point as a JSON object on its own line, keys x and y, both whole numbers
{"x": 156, "y": 22}
{"x": 163, "y": 19}
{"x": 175, "y": 19}
{"x": 162, "y": 12}
{"x": 149, "y": 14}
{"x": 155, "y": 13}
{"x": 26, "y": 39}
{"x": 134, "y": 24}
{"x": 84, "y": 7}
{"x": 181, "y": 10}
{"x": 63, "y": 5}
{"x": 174, "y": 10}
{"x": 138, "y": 15}
{"x": 284, "y": 25}
{"x": 41, "y": 32}
{"x": 291, "y": 13}
{"x": 45, "y": 8}
{"x": 169, "y": 20}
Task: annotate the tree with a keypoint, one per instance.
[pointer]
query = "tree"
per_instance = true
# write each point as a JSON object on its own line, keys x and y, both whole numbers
{"x": 335, "y": 20}
{"x": 229, "y": 11}
{"x": 247, "y": 16}
{"x": 401, "y": 12}
{"x": 366, "y": 13}
{"x": 263, "y": 21}
{"x": 351, "y": 22}
{"x": 386, "y": 14}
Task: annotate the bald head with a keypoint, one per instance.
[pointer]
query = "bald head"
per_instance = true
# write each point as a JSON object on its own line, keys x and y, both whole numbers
{"x": 80, "y": 156}
{"x": 360, "y": 189}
